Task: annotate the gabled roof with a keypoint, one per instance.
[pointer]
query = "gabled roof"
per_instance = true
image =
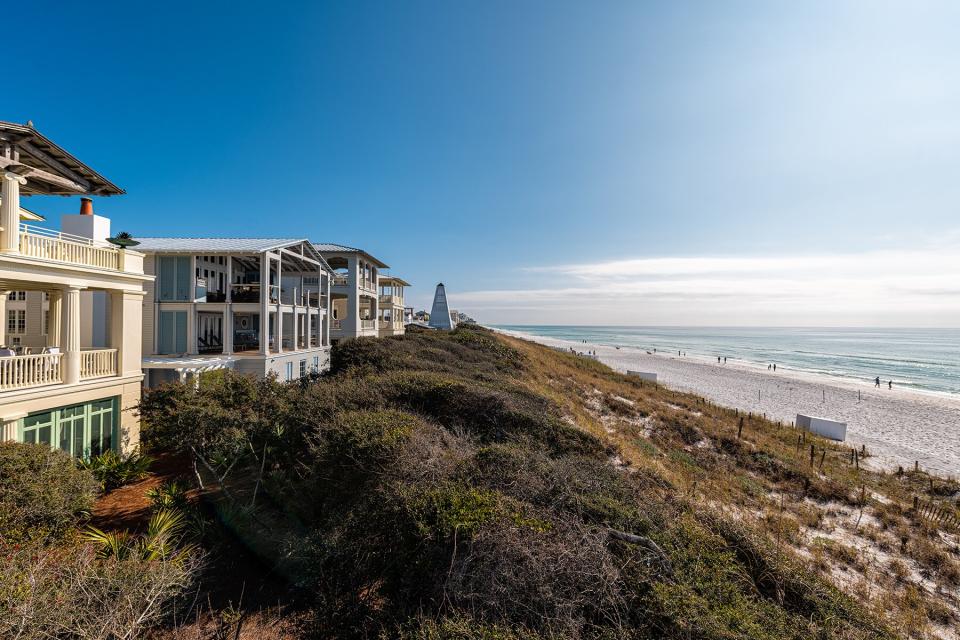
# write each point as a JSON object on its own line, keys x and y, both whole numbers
{"x": 48, "y": 168}
{"x": 393, "y": 280}
{"x": 331, "y": 247}
{"x": 214, "y": 245}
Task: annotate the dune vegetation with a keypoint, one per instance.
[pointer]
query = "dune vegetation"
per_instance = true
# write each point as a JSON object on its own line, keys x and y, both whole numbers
{"x": 470, "y": 485}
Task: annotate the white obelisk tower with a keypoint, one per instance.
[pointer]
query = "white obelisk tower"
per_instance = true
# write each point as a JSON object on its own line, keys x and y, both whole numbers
{"x": 440, "y": 314}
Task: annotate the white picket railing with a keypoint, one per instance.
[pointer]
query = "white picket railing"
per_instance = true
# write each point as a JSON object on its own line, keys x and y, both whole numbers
{"x": 22, "y": 372}
{"x": 37, "y": 242}
{"x": 98, "y": 363}
{"x": 367, "y": 324}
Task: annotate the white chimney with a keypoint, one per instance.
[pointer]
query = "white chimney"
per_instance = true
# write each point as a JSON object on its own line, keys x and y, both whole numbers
{"x": 86, "y": 224}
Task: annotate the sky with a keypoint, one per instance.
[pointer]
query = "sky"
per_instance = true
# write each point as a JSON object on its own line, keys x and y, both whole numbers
{"x": 552, "y": 162}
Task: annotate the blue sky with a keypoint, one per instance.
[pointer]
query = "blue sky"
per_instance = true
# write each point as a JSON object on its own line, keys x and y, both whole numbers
{"x": 551, "y": 162}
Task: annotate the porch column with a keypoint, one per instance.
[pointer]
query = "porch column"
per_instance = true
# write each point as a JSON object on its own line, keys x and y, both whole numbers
{"x": 8, "y": 430}
{"x": 3, "y": 317}
{"x": 227, "y": 333}
{"x": 10, "y": 211}
{"x": 53, "y": 326}
{"x": 71, "y": 334}
{"x": 278, "y": 323}
{"x": 264, "y": 304}
{"x": 309, "y": 329}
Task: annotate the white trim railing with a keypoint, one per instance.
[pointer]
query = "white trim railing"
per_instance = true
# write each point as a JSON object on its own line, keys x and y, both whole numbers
{"x": 98, "y": 363}
{"x": 367, "y": 324}
{"x": 336, "y": 324}
{"x": 22, "y": 372}
{"x": 340, "y": 281}
{"x": 37, "y": 242}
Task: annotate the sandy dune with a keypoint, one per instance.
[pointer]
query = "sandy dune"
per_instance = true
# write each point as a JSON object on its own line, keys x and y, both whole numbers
{"x": 897, "y": 426}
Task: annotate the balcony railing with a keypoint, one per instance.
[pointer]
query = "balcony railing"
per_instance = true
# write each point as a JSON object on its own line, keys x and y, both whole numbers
{"x": 391, "y": 299}
{"x": 98, "y": 363}
{"x": 36, "y": 242}
{"x": 367, "y": 324}
{"x": 340, "y": 280}
{"x": 22, "y": 372}
{"x": 337, "y": 324}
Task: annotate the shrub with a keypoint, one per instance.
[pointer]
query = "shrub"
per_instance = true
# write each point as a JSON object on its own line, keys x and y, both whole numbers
{"x": 113, "y": 471}
{"x": 42, "y": 492}
{"x": 68, "y": 591}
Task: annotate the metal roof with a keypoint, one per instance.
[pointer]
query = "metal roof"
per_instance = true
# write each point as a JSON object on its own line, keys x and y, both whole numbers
{"x": 49, "y": 169}
{"x": 331, "y": 247}
{"x": 214, "y": 245}
{"x": 388, "y": 280}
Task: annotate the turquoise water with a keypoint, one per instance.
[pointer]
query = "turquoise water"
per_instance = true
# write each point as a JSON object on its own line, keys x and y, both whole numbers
{"x": 923, "y": 359}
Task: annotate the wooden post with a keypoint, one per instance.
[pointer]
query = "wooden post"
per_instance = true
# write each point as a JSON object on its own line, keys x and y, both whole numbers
{"x": 813, "y": 453}
{"x": 916, "y": 466}
{"x": 823, "y": 455}
{"x": 740, "y": 429}
{"x": 856, "y": 460}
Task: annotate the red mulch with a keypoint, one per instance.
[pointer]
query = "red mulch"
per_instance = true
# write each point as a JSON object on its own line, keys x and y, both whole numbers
{"x": 128, "y": 508}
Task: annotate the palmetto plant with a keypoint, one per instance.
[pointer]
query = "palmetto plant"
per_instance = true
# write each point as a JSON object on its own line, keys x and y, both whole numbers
{"x": 163, "y": 539}
{"x": 114, "y": 471}
{"x": 169, "y": 495}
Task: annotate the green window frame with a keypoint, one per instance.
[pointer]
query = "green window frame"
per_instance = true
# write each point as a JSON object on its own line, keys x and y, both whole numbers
{"x": 82, "y": 430}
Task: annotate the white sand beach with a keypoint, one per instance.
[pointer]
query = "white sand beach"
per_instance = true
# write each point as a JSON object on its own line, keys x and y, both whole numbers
{"x": 898, "y": 426}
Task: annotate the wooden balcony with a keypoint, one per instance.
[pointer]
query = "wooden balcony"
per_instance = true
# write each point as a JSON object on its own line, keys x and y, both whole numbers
{"x": 43, "y": 369}
{"x": 24, "y": 372}
{"x": 98, "y": 363}
{"x": 36, "y": 242}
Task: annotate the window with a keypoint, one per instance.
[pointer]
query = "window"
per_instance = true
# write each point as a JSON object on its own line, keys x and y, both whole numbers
{"x": 16, "y": 321}
{"x": 172, "y": 336}
{"x": 174, "y": 278}
{"x": 303, "y": 368}
{"x": 82, "y": 430}
{"x": 289, "y": 371}
{"x": 18, "y": 295}
{"x": 316, "y": 364}
{"x": 46, "y": 321}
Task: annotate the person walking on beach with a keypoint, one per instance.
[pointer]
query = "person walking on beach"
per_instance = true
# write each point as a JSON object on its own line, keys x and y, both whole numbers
{"x": 718, "y": 359}
{"x": 774, "y": 367}
{"x": 890, "y": 385}
{"x": 724, "y": 359}
{"x": 877, "y": 381}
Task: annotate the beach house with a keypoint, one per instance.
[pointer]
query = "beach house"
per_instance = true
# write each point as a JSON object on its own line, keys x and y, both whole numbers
{"x": 391, "y": 320}
{"x": 71, "y": 308}
{"x": 355, "y": 305}
{"x": 254, "y": 305}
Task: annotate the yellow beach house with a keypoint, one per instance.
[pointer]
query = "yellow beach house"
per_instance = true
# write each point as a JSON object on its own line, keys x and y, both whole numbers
{"x": 71, "y": 308}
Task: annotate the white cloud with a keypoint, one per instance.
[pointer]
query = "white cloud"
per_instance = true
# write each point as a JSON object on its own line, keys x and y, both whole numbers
{"x": 917, "y": 287}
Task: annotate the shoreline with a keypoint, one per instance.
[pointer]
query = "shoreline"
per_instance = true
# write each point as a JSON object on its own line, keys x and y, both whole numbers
{"x": 898, "y": 426}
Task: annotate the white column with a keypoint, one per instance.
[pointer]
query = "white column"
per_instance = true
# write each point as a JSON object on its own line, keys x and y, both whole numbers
{"x": 8, "y": 430}
{"x": 10, "y": 211}
{"x": 71, "y": 334}
{"x": 227, "y": 330}
{"x": 278, "y": 323}
{"x": 3, "y": 317}
{"x": 309, "y": 328}
{"x": 264, "y": 303}
{"x": 54, "y": 339}
{"x": 229, "y": 278}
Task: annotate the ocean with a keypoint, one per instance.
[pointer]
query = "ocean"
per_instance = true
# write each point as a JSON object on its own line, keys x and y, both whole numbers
{"x": 921, "y": 359}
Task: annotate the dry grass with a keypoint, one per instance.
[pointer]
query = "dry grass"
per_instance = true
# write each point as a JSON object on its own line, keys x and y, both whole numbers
{"x": 853, "y": 526}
